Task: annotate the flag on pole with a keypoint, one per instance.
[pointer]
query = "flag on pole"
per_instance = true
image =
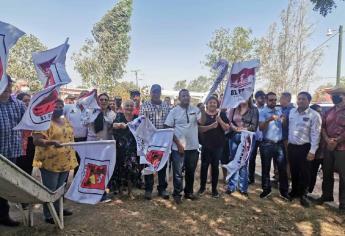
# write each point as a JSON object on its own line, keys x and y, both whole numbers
{"x": 89, "y": 107}
{"x": 50, "y": 65}
{"x": 242, "y": 155}
{"x": 153, "y": 145}
{"x": 97, "y": 163}
{"x": 8, "y": 37}
{"x": 222, "y": 65}
{"x": 241, "y": 82}
{"x": 39, "y": 112}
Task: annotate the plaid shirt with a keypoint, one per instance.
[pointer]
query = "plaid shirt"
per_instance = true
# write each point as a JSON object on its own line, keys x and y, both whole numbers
{"x": 157, "y": 114}
{"x": 11, "y": 113}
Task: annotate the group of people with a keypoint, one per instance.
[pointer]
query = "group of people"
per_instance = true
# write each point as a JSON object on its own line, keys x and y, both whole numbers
{"x": 298, "y": 139}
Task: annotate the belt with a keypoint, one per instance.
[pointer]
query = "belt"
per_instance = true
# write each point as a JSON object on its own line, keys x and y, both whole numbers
{"x": 271, "y": 142}
{"x": 80, "y": 139}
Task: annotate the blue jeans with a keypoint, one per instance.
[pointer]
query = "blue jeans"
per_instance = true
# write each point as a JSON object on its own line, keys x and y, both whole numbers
{"x": 189, "y": 160}
{"x": 53, "y": 181}
{"x": 240, "y": 178}
{"x": 277, "y": 152}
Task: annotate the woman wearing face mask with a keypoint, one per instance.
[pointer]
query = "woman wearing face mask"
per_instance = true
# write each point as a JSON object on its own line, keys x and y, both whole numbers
{"x": 127, "y": 164}
{"x": 243, "y": 118}
{"x": 212, "y": 139}
{"x": 101, "y": 128}
{"x": 53, "y": 160}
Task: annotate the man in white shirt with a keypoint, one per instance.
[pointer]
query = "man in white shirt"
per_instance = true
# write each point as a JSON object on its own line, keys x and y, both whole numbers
{"x": 304, "y": 137}
{"x": 184, "y": 118}
{"x": 74, "y": 115}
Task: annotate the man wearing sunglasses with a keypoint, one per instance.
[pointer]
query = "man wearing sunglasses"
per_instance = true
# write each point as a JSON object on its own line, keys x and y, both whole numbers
{"x": 271, "y": 124}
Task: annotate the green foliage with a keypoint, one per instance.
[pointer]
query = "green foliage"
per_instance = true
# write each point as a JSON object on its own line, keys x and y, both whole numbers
{"x": 101, "y": 61}
{"x": 20, "y": 65}
{"x": 200, "y": 84}
{"x": 324, "y": 6}
{"x": 181, "y": 84}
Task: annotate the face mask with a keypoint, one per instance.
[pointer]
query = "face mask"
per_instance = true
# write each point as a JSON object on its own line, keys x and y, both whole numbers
{"x": 337, "y": 99}
{"x": 57, "y": 113}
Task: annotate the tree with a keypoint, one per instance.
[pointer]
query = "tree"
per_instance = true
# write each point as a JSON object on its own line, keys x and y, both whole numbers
{"x": 324, "y": 6}
{"x": 236, "y": 45}
{"x": 20, "y": 65}
{"x": 286, "y": 62}
{"x": 181, "y": 84}
{"x": 101, "y": 61}
{"x": 200, "y": 84}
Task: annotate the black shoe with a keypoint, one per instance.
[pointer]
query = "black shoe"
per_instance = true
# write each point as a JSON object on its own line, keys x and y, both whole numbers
{"x": 265, "y": 193}
{"x": 178, "y": 200}
{"x": 245, "y": 194}
{"x": 50, "y": 221}
{"x": 191, "y": 197}
{"x": 285, "y": 196}
{"x": 9, "y": 222}
{"x": 228, "y": 191}
{"x": 201, "y": 191}
{"x": 305, "y": 202}
{"x": 164, "y": 194}
{"x": 292, "y": 195}
{"x": 251, "y": 181}
{"x": 321, "y": 200}
{"x": 148, "y": 195}
{"x": 67, "y": 213}
{"x": 105, "y": 198}
{"x": 215, "y": 194}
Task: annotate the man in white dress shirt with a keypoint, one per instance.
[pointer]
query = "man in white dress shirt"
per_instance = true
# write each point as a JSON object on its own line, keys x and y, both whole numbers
{"x": 304, "y": 138}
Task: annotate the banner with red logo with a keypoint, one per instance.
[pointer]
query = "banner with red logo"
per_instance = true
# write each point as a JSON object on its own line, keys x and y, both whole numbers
{"x": 241, "y": 82}
{"x": 8, "y": 37}
{"x": 50, "y": 65}
{"x": 39, "y": 112}
{"x": 97, "y": 163}
{"x": 153, "y": 145}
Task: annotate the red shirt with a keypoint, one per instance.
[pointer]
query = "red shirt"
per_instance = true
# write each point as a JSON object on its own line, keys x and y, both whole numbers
{"x": 136, "y": 111}
{"x": 334, "y": 123}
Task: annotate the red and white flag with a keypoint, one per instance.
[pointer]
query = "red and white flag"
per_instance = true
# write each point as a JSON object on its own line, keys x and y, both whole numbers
{"x": 241, "y": 82}
{"x": 8, "y": 37}
{"x": 50, "y": 65}
{"x": 89, "y": 106}
{"x": 153, "y": 145}
{"x": 39, "y": 112}
{"x": 97, "y": 163}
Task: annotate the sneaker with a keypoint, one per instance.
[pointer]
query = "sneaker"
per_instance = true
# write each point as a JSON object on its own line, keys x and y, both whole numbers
{"x": 164, "y": 194}
{"x": 50, "y": 221}
{"x": 201, "y": 191}
{"x": 305, "y": 202}
{"x": 215, "y": 194}
{"x": 148, "y": 195}
{"x": 191, "y": 197}
{"x": 265, "y": 194}
{"x": 178, "y": 200}
{"x": 67, "y": 213}
{"x": 228, "y": 191}
{"x": 285, "y": 196}
{"x": 105, "y": 198}
{"x": 7, "y": 221}
{"x": 321, "y": 200}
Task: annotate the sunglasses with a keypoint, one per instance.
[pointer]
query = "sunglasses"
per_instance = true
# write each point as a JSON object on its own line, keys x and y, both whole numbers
{"x": 104, "y": 100}
{"x": 272, "y": 100}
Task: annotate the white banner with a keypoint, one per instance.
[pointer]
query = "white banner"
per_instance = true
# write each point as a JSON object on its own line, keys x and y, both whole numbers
{"x": 153, "y": 145}
{"x": 8, "y": 37}
{"x": 241, "y": 82}
{"x": 97, "y": 163}
{"x": 89, "y": 106}
{"x": 50, "y": 65}
{"x": 243, "y": 153}
{"x": 39, "y": 112}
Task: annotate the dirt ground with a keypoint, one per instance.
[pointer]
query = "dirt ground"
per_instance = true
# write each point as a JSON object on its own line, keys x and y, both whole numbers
{"x": 228, "y": 215}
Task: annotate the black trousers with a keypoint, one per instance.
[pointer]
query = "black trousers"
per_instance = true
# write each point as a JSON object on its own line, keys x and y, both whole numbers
{"x": 77, "y": 155}
{"x": 300, "y": 168}
{"x": 252, "y": 162}
{"x": 210, "y": 157}
{"x": 315, "y": 166}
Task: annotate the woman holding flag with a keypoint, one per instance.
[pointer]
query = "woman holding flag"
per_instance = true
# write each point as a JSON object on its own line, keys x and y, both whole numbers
{"x": 245, "y": 117}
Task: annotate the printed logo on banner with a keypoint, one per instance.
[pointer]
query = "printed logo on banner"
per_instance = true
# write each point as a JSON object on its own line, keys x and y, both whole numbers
{"x": 241, "y": 80}
{"x": 94, "y": 177}
{"x": 154, "y": 157}
{"x": 246, "y": 149}
{"x": 43, "y": 110}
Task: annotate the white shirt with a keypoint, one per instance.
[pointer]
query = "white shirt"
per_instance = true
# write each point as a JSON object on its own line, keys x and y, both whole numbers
{"x": 106, "y": 133}
{"x": 74, "y": 115}
{"x": 186, "y": 127}
{"x": 305, "y": 127}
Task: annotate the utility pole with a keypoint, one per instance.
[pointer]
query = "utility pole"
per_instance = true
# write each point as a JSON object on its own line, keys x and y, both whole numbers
{"x": 340, "y": 48}
{"x": 136, "y": 77}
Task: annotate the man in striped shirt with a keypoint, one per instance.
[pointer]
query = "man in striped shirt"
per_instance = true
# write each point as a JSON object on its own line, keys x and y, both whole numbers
{"x": 304, "y": 137}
